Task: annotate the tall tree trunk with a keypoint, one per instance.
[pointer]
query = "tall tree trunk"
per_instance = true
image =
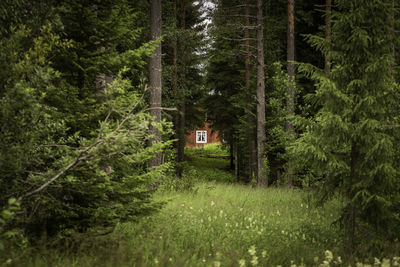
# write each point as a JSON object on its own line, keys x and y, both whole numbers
{"x": 261, "y": 171}
{"x": 181, "y": 109}
{"x": 393, "y": 33}
{"x": 249, "y": 102}
{"x": 155, "y": 76}
{"x": 328, "y": 30}
{"x": 236, "y": 163}
{"x": 175, "y": 89}
{"x": 231, "y": 155}
{"x": 290, "y": 93}
{"x": 175, "y": 73}
{"x": 351, "y": 217}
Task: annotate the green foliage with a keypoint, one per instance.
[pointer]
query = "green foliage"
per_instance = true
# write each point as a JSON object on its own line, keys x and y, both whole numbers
{"x": 277, "y": 139}
{"x": 73, "y": 166}
{"x": 220, "y": 224}
{"x": 226, "y": 101}
{"x": 208, "y": 163}
{"x": 350, "y": 143}
{"x": 190, "y": 43}
{"x": 12, "y": 241}
{"x": 214, "y": 150}
{"x": 213, "y": 224}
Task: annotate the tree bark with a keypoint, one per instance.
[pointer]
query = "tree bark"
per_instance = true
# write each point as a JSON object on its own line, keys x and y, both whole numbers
{"x": 393, "y": 33}
{"x": 328, "y": 30}
{"x": 175, "y": 75}
{"x": 231, "y": 155}
{"x": 351, "y": 218}
{"x": 155, "y": 76}
{"x": 236, "y": 163}
{"x": 181, "y": 105}
{"x": 290, "y": 93}
{"x": 261, "y": 171}
{"x": 249, "y": 101}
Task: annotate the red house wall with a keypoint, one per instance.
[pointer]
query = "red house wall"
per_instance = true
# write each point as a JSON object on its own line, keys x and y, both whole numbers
{"x": 212, "y": 136}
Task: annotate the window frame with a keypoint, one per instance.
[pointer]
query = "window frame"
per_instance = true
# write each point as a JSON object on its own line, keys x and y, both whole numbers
{"x": 203, "y": 135}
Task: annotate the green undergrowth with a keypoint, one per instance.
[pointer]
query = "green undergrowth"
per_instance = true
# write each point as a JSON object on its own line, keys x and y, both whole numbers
{"x": 231, "y": 224}
{"x": 214, "y": 150}
{"x": 219, "y": 225}
{"x": 208, "y": 163}
{"x": 208, "y": 221}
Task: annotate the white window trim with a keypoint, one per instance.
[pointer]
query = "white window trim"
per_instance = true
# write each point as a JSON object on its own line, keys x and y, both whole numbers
{"x": 203, "y": 134}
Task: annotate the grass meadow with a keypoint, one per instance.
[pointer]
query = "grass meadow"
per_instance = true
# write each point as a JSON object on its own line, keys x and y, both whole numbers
{"x": 209, "y": 221}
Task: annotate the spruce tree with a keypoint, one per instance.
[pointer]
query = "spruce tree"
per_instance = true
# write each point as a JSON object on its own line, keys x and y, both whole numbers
{"x": 351, "y": 142}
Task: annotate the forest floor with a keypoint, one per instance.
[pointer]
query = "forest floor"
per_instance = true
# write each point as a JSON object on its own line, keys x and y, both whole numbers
{"x": 209, "y": 221}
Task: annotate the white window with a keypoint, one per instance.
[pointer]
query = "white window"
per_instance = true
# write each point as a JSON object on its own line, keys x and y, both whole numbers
{"x": 201, "y": 137}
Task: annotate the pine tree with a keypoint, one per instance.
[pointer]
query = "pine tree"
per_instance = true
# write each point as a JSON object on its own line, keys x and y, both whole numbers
{"x": 226, "y": 103}
{"x": 72, "y": 151}
{"x": 183, "y": 69}
{"x": 350, "y": 144}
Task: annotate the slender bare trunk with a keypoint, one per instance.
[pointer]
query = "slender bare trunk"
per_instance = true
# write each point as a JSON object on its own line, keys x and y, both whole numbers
{"x": 290, "y": 94}
{"x": 181, "y": 109}
{"x": 249, "y": 102}
{"x": 393, "y": 33}
{"x": 328, "y": 30}
{"x": 155, "y": 76}
{"x": 261, "y": 171}
{"x": 236, "y": 163}
{"x": 175, "y": 73}
{"x": 231, "y": 155}
{"x": 351, "y": 218}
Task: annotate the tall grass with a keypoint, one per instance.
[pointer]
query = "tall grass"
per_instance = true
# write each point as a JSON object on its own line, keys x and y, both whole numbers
{"x": 221, "y": 223}
{"x": 209, "y": 223}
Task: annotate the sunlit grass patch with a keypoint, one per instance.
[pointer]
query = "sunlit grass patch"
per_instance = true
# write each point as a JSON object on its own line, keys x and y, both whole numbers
{"x": 213, "y": 150}
{"x": 222, "y": 222}
{"x": 220, "y": 225}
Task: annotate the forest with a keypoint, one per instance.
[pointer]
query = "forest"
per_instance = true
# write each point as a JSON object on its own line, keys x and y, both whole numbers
{"x": 98, "y": 98}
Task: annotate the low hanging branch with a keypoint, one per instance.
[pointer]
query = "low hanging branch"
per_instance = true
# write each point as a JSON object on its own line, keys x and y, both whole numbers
{"x": 67, "y": 168}
{"x": 83, "y": 153}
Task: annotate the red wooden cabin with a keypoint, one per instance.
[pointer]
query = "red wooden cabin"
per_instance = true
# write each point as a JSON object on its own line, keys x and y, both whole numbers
{"x": 202, "y": 136}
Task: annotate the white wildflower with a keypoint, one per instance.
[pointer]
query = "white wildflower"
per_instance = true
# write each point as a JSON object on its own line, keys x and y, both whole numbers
{"x": 254, "y": 260}
{"x": 324, "y": 264}
{"x": 252, "y": 250}
{"x": 264, "y": 254}
{"x": 328, "y": 255}
{"x": 338, "y": 260}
